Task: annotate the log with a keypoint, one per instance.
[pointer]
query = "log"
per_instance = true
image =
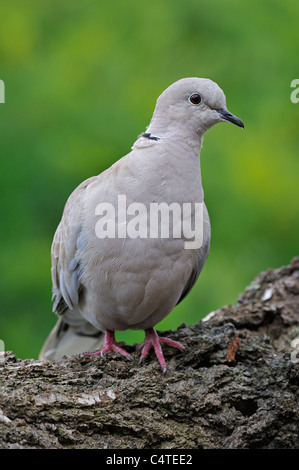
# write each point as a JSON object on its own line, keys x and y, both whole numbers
{"x": 234, "y": 387}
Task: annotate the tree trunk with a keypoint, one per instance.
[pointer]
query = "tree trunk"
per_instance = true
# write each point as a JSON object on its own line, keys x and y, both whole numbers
{"x": 235, "y": 385}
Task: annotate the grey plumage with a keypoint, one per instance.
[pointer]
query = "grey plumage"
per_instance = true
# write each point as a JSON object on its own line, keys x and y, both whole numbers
{"x": 113, "y": 284}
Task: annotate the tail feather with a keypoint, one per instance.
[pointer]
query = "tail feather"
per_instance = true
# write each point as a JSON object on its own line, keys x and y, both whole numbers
{"x": 66, "y": 340}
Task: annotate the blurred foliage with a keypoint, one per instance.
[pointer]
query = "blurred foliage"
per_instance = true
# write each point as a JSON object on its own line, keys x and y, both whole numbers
{"x": 82, "y": 78}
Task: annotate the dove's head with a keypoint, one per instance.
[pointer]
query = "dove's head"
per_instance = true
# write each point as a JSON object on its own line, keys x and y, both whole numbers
{"x": 193, "y": 103}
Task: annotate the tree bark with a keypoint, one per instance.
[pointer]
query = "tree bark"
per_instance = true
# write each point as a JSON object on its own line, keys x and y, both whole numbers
{"x": 235, "y": 385}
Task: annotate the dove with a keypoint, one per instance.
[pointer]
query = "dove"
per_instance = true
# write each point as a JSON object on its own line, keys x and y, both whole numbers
{"x": 112, "y": 268}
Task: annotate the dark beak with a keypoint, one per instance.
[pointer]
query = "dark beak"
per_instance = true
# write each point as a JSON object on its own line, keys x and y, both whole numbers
{"x": 229, "y": 117}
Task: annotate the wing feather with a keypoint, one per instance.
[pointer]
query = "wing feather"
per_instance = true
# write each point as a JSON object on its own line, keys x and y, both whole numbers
{"x": 67, "y": 245}
{"x": 203, "y": 254}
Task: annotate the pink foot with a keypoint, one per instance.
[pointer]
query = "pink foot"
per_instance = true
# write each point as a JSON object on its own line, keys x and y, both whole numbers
{"x": 110, "y": 345}
{"x": 152, "y": 339}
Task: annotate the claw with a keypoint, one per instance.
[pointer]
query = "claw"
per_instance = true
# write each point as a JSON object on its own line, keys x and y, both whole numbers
{"x": 152, "y": 339}
{"x": 110, "y": 345}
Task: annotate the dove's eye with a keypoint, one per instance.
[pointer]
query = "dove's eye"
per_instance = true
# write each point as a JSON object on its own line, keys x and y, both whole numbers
{"x": 195, "y": 98}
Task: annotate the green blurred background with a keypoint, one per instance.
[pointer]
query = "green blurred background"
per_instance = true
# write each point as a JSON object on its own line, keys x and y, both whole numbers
{"x": 82, "y": 78}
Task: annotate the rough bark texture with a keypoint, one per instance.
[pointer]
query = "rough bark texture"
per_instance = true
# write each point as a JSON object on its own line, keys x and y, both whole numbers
{"x": 235, "y": 386}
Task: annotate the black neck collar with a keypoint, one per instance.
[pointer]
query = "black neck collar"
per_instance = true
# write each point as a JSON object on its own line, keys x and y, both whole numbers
{"x": 150, "y": 136}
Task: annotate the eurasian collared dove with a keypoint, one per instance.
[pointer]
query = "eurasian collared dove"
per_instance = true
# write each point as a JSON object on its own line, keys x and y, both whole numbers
{"x": 107, "y": 277}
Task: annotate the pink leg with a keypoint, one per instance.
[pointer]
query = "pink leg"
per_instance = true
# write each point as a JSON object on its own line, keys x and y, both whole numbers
{"x": 152, "y": 339}
{"x": 110, "y": 345}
